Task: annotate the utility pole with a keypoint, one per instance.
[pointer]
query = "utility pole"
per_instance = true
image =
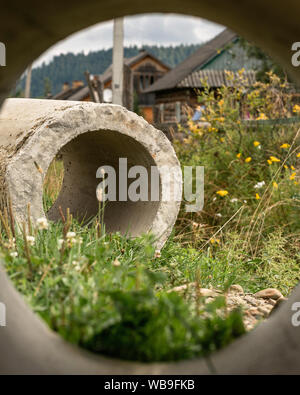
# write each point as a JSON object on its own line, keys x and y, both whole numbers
{"x": 117, "y": 64}
{"x": 28, "y": 81}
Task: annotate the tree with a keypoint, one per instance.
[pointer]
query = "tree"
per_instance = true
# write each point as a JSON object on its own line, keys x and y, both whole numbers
{"x": 267, "y": 63}
{"x": 47, "y": 87}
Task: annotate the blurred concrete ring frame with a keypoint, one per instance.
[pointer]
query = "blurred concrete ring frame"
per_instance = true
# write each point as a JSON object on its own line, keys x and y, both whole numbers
{"x": 29, "y": 28}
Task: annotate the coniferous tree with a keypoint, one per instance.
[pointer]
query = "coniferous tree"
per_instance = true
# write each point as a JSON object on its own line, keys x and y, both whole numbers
{"x": 69, "y": 67}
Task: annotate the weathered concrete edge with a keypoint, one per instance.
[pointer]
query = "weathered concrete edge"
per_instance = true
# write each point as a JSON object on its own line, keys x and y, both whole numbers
{"x": 52, "y": 133}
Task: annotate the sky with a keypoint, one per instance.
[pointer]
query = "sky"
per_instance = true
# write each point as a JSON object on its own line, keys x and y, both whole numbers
{"x": 156, "y": 29}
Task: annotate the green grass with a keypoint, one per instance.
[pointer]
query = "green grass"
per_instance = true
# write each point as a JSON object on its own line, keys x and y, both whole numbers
{"x": 109, "y": 295}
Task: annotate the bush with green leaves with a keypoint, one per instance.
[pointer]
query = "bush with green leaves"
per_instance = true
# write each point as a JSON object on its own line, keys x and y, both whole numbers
{"x": 251, "y": 161}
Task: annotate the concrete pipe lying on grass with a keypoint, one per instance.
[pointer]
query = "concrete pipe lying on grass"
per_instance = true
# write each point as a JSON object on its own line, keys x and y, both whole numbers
{"x": 88, "y": 136}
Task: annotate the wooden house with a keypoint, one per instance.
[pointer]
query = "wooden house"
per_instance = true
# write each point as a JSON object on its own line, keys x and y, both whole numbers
{"x": 140, "y": 72}
{"x": 145, "y": 69}
{"x": 179, "y": 88}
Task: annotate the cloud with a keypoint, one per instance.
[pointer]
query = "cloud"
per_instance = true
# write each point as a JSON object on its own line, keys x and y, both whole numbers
{"x": 169, "y": 29}
{"x": 156, "y": 29}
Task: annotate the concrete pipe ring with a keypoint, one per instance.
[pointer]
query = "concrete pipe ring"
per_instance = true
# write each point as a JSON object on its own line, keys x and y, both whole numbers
{"x": 26, "y": 345}
{"x": 88, "y": 136}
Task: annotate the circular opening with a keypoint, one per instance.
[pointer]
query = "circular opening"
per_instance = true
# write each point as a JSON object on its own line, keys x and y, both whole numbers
{"x": 81, "y": 158}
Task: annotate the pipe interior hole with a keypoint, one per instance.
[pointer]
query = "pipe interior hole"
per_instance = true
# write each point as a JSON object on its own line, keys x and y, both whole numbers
{"x": 81, "y": 158}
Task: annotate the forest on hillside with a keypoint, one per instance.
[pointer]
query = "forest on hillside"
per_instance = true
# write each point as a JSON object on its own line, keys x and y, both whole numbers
{"x": 48, "y": 78}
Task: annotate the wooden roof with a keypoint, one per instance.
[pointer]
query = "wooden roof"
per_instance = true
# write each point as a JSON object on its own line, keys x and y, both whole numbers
{"x": 107, "y": 74}
{"x": 197, "y": 60}
{"x": 72, "y": 93}
{"x": 214, "y": 78}
{"x": 81, "y": 92}
{"x": 67, "y": 93}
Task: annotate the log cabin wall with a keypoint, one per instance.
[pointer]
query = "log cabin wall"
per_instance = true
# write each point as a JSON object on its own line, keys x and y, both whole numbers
{"x": 174, "y": 106}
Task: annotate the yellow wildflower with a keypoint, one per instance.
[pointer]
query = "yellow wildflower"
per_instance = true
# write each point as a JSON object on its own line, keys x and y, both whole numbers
{"x": 296, "y": 183}
{"x": 298, "y": 155}
{"x": 239, "y": 155}
{"x": 275, "y": 185}
{"x": 269, "y": 161}
{"x": 292, "y": 167}
{"x": 212, "y": 129}
{"x": 249, "y": 159}
{"x": 292, "y": 176}
{"x": 221, "y": 103}
{"x": 285, "y": 166}
{"x": 256, "y": 143}
{"x": 213, "y": 241}
{"x": 262, "y": 116}
{"x": 222, "y": 192}
{"x": 229, "y": 75}
{"x": 257, "y": 197}
{"x": 222, "y": 139}
{"x": 285, "y": 145}
{"x": 274, "y": 159}
{"x": 296, "y": 108}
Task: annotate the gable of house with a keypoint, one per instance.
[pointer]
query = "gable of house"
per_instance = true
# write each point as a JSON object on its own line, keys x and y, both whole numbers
{"x": 199, "y": 58}
{"x": 233, "y": 57}
{"x": 146, "y": 70}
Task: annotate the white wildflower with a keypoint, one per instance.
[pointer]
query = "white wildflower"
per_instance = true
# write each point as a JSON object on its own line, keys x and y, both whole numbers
{"x": 116, "y": 263}
{"x": 195, "y": 225}
{"x": 259, "y": 185}
{"x": 13, "y": 254}
{"x": 60, "y": 243}
{"x": 42, "y": 223}
{"x": 99, "y": 194}
{"x": 234, "y": 200}
{"x": 76, "y": 265}
{"x": 73, "y": 240}
{"x": 219, "y": 215}
{"x": 30, "y": 240}
{"x": 10, "y": 244}
{"x": 71, "y": 235}
{"x": 157, "y": 254}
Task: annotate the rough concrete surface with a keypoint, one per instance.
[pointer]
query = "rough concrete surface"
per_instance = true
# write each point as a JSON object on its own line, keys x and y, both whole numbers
{"x": 29, "y": 28}
{"x": 87, "y": 135}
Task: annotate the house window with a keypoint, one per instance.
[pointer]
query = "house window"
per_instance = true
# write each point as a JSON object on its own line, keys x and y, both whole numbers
{"x": 146, "y": 81}
{"x": 141, "y": 82}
